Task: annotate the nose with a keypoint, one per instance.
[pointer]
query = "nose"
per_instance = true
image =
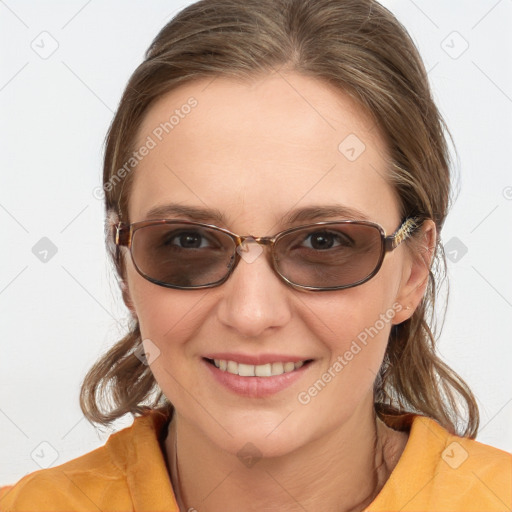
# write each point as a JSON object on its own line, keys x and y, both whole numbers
{"x": 254, "y": 298}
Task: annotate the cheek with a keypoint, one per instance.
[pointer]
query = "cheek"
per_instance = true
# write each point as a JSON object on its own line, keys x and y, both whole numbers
{"x": 363, "y": 312}
{"x": 169, "y": 322}
{"x": 355, "y": 328}
{"x": 165, "y": 313}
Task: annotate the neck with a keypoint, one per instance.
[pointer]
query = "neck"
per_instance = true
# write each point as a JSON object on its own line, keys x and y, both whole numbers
{"x": 341, "y": 471}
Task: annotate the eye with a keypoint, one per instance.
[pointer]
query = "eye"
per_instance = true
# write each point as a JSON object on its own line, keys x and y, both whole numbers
{"x": 190, "y": 239}
{"x": 322, "y": 240}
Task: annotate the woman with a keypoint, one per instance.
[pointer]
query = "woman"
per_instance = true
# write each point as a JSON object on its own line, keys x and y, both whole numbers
{"x": 276, "y": 181}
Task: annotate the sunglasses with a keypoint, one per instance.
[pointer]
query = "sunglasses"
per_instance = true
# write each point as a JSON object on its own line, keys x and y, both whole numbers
{"x": 331, "y": 255}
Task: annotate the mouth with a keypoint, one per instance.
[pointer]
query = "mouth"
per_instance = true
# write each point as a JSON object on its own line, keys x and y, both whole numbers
{"x": 262, "y": 380}
{"x": 271, "y": 369}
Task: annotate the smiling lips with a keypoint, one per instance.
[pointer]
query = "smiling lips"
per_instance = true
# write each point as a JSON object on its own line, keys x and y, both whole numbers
{"x": 256, "y": 376}
{"x": 260, "y": 370}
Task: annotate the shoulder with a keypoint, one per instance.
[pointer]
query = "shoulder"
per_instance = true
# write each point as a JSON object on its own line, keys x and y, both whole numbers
{"x": 75, "y": 483}
{"x": 96, "y": 480}
{"x": 455, "y": 457}
{"x": 442, "y": 471}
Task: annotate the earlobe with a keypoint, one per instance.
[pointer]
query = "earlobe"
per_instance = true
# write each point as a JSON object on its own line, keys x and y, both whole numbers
{"x": 416, "y": 274}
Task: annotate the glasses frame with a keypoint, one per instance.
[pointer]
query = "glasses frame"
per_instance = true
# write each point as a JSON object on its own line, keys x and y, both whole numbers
{"x": 123, "y": 236}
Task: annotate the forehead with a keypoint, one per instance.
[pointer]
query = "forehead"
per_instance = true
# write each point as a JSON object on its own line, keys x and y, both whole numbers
{"x": 255, "y": 150}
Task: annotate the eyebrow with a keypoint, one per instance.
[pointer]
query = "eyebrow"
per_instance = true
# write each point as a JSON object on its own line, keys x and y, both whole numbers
{"x": 213, "y": 215}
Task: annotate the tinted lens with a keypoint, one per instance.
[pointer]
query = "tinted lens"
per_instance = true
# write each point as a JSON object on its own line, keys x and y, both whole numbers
{"x": 182, "y": 254}
{"x": 330, "y": 255}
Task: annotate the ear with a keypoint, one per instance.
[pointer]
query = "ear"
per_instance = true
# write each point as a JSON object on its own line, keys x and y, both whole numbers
{"x": 416, "y": 271}
{"x": 127, "y": 299}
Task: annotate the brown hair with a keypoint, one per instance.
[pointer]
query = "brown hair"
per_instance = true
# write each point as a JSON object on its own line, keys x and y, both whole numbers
{"x": 359, "y": 47}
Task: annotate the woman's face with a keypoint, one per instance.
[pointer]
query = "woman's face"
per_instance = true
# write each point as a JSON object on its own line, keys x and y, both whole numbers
{"x": 255, "y": 152}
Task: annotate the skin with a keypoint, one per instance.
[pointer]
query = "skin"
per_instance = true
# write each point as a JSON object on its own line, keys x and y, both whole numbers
{"x": 255, "y": 151}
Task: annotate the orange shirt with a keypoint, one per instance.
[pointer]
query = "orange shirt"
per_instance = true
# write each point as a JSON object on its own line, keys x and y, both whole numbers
{"x": 436, "y": 472}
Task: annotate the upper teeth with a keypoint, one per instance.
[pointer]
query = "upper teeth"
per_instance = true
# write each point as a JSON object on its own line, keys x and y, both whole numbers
{"x": 259, "y": 370}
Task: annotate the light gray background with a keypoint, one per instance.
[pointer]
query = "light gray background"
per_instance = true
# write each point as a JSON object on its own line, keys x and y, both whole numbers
{"x": 56, "y": 317}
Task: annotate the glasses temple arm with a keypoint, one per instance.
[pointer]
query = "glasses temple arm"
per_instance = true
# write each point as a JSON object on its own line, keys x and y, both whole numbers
{"x": 408, "y": 227}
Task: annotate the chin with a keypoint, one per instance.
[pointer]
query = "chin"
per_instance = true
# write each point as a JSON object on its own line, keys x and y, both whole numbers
{"x": 265, "y": 435}
{"x": 251, "y": 446}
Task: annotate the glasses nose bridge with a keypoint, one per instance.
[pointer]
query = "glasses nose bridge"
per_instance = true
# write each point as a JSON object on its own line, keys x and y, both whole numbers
{"x": 262, "y": 240}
